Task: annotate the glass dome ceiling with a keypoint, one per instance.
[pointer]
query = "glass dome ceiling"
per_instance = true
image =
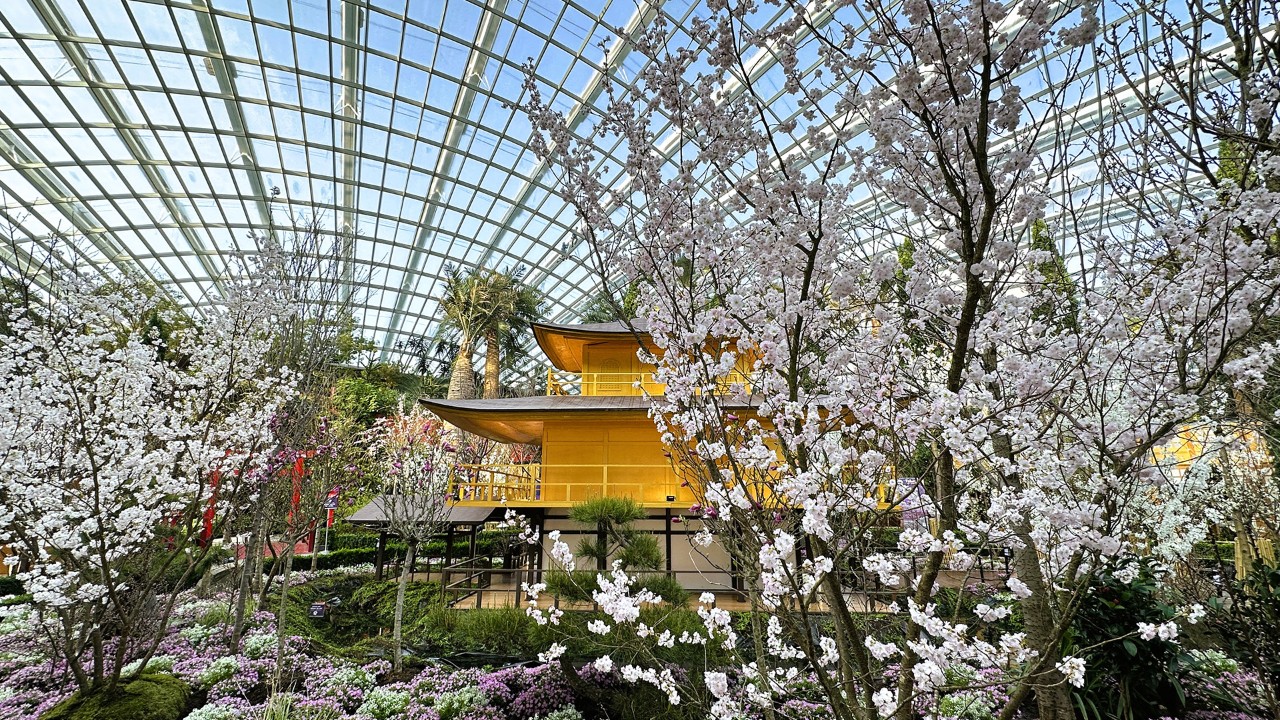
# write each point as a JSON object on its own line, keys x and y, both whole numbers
{"x": 167, "y": 134}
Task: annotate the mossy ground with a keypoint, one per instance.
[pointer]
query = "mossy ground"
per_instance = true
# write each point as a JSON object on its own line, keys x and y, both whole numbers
{"x": 149, "y": 697}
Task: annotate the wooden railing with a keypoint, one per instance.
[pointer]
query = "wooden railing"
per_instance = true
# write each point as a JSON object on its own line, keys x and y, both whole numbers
{"x": 565, "y": 484}
{"x": 519, "y": 483}
{"x": 562, "y": 484}
{"x": 563, "y": 382}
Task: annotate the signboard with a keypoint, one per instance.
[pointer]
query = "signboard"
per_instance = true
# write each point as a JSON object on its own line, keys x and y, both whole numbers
{"x": 316, "y": 610}
{"x": 331, "y": 502}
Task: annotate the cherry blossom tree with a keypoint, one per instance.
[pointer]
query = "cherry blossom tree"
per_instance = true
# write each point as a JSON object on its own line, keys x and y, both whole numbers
{"x": 417, "y": 455}
{"x": 117, "y": 413}
{"x": 883, "y": 229}
{"x": 314, "y": 275}
{"x": 1211, "y": 97}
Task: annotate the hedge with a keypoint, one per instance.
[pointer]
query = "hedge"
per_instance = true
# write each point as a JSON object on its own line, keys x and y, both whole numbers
{"x": 356, "y": 548}
{"x": 340, "y": 558}
{"x": 489, "y": 543}
{"x": 10, "y": 585}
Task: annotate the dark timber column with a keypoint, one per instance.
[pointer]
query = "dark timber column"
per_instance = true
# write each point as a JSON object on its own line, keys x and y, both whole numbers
{"x": 448, "y": 546}
{"x": 382, "y": 551}
{"x": 448, "y": 560}
{"x": 668, "y": 519}
{"x": 601, "y": 540}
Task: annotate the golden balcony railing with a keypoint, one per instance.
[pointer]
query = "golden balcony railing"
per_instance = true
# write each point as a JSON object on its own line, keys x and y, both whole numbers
{"x": 563, "y": 382}
{"x": 496, "y": 483}
{"x": 561, "y": 485}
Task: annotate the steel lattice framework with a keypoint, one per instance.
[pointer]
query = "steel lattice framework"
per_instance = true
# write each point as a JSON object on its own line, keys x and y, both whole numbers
{"x": 166, "y": 135}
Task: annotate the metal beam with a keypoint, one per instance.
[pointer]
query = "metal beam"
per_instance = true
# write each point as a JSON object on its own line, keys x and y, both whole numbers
{"x": 224, "y": 75}
{"x": 477, "y": 61}
{"x": 646, "y": 12}
{"x": 59, "y": 196}
{"x": 349, "y": 142}
{"x": 61, "y": 30}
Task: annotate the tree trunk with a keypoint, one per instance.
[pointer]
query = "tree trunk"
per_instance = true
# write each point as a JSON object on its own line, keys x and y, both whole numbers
{"x": 462, "y": 380}
{"x": 410, "y": 553}
{"x": 492, "y": 364}
{"x": 95, "y": 641}
{"x": 281, "y": 629}
{"x": 254, "y": 545}
{"x": 1053, "y": 695}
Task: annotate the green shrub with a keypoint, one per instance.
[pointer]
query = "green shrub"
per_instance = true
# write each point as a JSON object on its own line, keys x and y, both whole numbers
{"x": 343, "y": 624}
{"x": 215, "y": 615}
{"x": 666, "y": 587}
{"x": 574, "y": 587}
{"x": 455, "y": 704}
{"x": 1212, "y": 550}
{"x": 383, "y": 704}
{"x": 499, "y": 630}
{"x": 157, "y": 664}
{"x": 217, "y": 671}
{"x": 640, "y": 551}
{"x": 1132, "y": 678}
{"x": 885, "y": 536}
{"x": 952, "y": 603}
{"x": 352, "y": 541}
{"x": 150, "y": 697}
{"x": 10, "y": 585}
{"x": 490, "y": 543}
{"x": 616, "y": 510}
{"x": 507, "y": 631}
{"x": 341, "y": 558}
{"x": 1250, "y": 624}
{"x": 356, "y": 549}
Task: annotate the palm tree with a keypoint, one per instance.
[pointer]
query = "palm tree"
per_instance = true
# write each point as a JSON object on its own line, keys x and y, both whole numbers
{"x": 514, "y": 306}
{"x": 496, "y": 306}
{"x": 465, "y": 307}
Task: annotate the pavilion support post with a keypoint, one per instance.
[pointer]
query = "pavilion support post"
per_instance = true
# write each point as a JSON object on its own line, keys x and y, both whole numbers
{"x": 448, "y": 560}
{"x": 602, "y": 538}
{"x": 534, "y": 561}
{"x": 382, "y": 553}
{"x": 668, "y": 519}
{"x": 448, "y": 546}
{"x": 477, "y": 581}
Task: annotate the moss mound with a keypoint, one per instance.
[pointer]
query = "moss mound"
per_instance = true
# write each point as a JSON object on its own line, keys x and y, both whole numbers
{"x": 150, "y": 697}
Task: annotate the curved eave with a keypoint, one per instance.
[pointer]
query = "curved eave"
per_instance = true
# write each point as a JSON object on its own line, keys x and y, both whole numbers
{"x": 520, "y": 420}
{"x": 563, "y": 344}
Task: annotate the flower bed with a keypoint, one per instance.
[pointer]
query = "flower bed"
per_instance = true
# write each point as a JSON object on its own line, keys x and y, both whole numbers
{"x": 302, "y": 680}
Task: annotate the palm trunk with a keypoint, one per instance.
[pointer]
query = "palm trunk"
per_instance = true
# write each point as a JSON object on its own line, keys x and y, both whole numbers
{"x": 492, "y": 364}
{"x": 396, "y": 632}
{"x": 462, "y": 381}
